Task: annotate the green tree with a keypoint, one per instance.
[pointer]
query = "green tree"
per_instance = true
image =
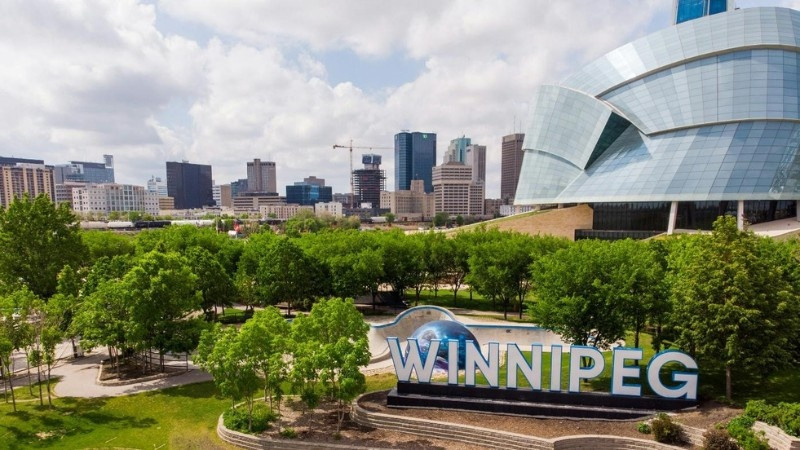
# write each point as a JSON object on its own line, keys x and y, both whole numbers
{"x": 224, "y": 355}
{"x": 161, "y": 291}
{"x": 266, "y": 339}
{"x": 459, "y": 220}
{"x": 731, "y": 305}
{"x": 579, "y": 292}
{"x": 104, "y": 243}
{"x": 15, "y": 331}
{"x": 38, "y": 239}
{"x": 333, "y": 341}
{"x": 389, "y": 218}
{"x": 286, "y": 274}
{"x": 215, "y": 285}
{"x": 437, "y": 258}
{"x": 459, "y": 261}
{"x": 403, "y": 266}
{"x": 441, "y": 219}
{"x": 102, "y": 319}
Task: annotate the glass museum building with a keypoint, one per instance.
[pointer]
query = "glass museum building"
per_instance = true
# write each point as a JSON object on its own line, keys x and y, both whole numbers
{"x": 674, "y": 129}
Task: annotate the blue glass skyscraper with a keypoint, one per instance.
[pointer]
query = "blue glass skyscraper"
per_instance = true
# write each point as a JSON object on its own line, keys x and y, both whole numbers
{"x": 414, "y": 158}
{"x": 694, "y": 9}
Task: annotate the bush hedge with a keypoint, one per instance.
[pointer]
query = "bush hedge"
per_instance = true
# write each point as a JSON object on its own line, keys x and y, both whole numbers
{"x": 785, "y": 416}
{"x": 236, "y": 419}
{"x": 667, "y": 431}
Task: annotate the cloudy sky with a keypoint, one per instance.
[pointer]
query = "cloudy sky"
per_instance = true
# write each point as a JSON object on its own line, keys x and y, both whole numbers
{"x": 224, "y": 81}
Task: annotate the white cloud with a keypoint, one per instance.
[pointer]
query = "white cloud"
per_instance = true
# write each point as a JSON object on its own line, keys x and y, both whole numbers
{"x": 79, "y": 78}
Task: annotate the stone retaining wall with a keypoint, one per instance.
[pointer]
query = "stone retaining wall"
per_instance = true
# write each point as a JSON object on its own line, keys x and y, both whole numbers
{"x": 468, "y": 434}
{"x": 263, "y": 443}
{"x": 777, "y": 438}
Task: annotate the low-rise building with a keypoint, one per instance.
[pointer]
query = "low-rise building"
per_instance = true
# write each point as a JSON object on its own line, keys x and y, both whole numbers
{"x": 283, "y": 212}
{"x": 165, "y": 203}
{"x": 334, "y": 209}
{"x": 253, "y": 201}
{"x": 455, "y": 192}
{"x": 64, "y": 191}
{"x": 105, "y": 198}
{"x": 491, "y": 206}
{"x": 413, "y": 205}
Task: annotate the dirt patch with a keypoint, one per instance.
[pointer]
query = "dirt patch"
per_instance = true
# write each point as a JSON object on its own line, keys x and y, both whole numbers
{"x": 131, "y": 372}
{"x": 319, "y": 426}
{"x": 704, "y": 417}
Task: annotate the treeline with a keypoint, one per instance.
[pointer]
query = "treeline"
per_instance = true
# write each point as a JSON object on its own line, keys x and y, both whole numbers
{"x": 729, "y": 298}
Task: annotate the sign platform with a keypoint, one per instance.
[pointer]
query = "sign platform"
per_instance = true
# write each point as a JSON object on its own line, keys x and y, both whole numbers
{"x": 526, "y": 402}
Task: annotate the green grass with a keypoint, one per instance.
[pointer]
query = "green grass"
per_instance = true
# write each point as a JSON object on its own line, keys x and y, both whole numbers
{"x": 180, "y": 417}
{"x": 462, "y": 300}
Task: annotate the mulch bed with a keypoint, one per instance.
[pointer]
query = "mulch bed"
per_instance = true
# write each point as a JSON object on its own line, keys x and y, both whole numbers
{"x": 703, "y": 417}
{"x": 128, "y": 371}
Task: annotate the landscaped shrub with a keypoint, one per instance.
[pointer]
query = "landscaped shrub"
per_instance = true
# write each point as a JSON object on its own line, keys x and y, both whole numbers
{"x": 236, "y": 419}
{"x": 786, "y": 416}
{"x": 644, "y": 428}
{"x": 667, "y": 431}
{"x": 718, "y": 439}
{"x": 741, "y": 429}
{"x": 288, "y": 433}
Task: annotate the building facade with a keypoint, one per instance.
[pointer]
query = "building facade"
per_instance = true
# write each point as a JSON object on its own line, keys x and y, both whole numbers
{"x": 510, "y": 165}
{"x": 333, "y": 208}
{"x": 261, "y": 176}
{"x": 413, "y": 205}
{"x": 302, "y": 193}
{"x": 457, "y": 150}
{"x": 414, "y": 159}
{"x": 283, "y": 212}
{"x": 676, "y": 128}
{"x": 253, "y": 201}
{"x": 685, "y": 10}
{"x": 476, "y": 158}
{"x": 157, "y": 186}
{"x": 20, "y": 178}
{"x": 189, "y": 184}
{"x": 85, "y": 172}
{"x": 106, "y": 198}
{"x": 369, "y": 182}
{"x": 455, "y": 193}
{"x": 64, "y": 191}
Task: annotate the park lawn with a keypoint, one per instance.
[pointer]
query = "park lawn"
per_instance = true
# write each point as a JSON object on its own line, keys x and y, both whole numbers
{"x": 180, "y": 417}
{"x": 445, "y": 300}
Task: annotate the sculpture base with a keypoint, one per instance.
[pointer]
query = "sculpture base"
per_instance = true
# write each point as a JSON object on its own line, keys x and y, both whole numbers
{"x": 525, "y": 402}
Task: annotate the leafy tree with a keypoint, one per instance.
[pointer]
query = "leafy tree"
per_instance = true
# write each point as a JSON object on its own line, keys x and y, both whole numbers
{"x": 389, "y": 218}
{"x": 38, "y": 239}
{"x": 403, "y": 266}
{"x": 286, "y": 273}
{"x": 15, "y": 331}
{"x": 440, "y": 219}
{"x": 223, "y": 354}
{"x": 104, "y": 243}
{"x": 331, "y": 345}
{"x": 731, "y": 305}
{"x": 579, "y": 291}
{"x": 162, "y": 293}
{"x": 437, "y": 259}
{"x": 213, "y": 282}
{"x": 101, "y": 319}
{"x": 266, "y": 339}
{"x": 459, "y": 220}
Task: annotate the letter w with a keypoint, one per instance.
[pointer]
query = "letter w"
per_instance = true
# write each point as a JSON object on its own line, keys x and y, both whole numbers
{"x": 413, "y": 362}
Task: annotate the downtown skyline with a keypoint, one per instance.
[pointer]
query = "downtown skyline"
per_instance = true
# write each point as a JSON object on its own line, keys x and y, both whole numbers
{"x": 222, "y": 83}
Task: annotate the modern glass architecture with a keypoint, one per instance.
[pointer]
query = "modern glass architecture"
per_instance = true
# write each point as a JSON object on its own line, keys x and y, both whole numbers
{"x": 685, "y": 10}
{"x": 85, "y": 172}
{"x": 189, "y": 184}
{"x": 700, "y": 118}
{"x": 414, "y": 158}
{"x": 302, "y": 193}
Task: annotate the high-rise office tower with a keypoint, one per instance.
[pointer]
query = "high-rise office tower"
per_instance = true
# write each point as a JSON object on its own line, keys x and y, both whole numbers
{"x": 454, "y": 191}
{"x": 85, "y": 172}
{"x": 685, "y": 10}
{"x": 476, "y": 158}
{"x": 369, "y": 181}
{"x": 457, "y": 150}
{"x": 261, "y": 176}
{"x": 189, "y": 184}
{"x": 414, "y": 158}
{"x": 157, "y": 186}
{"x": 24, "y": 176}
{"x": 510, "y": 165}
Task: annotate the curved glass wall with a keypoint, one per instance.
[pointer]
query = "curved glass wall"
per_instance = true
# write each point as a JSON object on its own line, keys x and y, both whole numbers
{"x": 743, "y": 85}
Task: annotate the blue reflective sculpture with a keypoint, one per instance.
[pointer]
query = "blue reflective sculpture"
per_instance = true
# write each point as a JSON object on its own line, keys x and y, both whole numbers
{"x": 444, "y": 330}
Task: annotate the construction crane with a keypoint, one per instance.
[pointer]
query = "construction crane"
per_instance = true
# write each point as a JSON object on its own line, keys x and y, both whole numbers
{"x": 370, "y": 148}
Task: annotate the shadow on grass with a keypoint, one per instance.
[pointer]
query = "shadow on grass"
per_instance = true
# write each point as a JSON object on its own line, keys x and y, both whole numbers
{"x": 204, "y": 389}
